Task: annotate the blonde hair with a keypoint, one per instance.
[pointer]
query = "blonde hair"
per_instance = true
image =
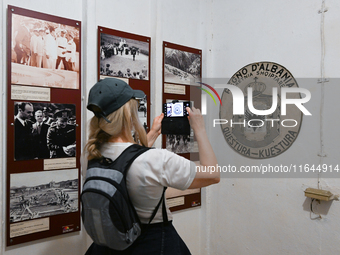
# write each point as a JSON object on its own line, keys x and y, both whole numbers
{"x": 123, "y": 122}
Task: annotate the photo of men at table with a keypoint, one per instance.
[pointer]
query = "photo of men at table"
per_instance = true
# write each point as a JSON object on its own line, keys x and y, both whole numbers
{"x": 43, "y": 131}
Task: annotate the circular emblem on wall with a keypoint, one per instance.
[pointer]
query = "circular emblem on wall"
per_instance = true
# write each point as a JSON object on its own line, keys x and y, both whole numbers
{"x": 252, "y": 134}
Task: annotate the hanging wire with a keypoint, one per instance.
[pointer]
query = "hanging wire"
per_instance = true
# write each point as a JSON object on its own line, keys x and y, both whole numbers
{"x": 322, "y": 67}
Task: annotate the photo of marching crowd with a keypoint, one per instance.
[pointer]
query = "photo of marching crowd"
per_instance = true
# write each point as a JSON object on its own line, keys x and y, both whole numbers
{"x": 178, "y": 143}
{"x": 123, "y": 57}
{"x": 44, "y": 53}
{"x": 44, "y": 130}
{"x": 41, "y": 194}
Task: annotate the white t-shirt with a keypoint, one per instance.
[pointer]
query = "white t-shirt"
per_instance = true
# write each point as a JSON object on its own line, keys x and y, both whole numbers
{"x": 149, "y": 174}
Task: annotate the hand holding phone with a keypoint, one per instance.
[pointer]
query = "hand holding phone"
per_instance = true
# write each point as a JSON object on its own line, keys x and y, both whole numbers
{"x": 175, "y": 119}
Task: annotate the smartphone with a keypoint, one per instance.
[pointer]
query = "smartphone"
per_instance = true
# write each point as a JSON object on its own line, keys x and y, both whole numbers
{"x": 176, "y": 109}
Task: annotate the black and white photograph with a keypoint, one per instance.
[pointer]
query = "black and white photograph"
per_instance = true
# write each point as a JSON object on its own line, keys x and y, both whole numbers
{"x": 178, "y": 143}
{"x": 44, "y": 130}
{"x": 181, "y": 143}
{"x": 142, "y": 112}
{"x": 42, "y": 194}
{"x": 44, "y": 53}
{"x": 181, "y": 66}
{"x": 123, "y": 57}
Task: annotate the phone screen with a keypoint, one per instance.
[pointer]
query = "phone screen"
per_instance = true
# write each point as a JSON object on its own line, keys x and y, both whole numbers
{"x": 176, "y": 109}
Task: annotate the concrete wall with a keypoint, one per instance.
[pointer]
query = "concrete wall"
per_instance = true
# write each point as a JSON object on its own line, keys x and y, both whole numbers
{"x": 238, "y": 216}
{"x": 272, "y": 216}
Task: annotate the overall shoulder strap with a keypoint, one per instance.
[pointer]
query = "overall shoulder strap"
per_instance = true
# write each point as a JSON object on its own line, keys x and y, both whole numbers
{"x": 164, "y": 213}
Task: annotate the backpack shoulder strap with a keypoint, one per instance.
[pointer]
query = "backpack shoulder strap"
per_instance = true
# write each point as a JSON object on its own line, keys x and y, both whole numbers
{"x": 125, "y": 159}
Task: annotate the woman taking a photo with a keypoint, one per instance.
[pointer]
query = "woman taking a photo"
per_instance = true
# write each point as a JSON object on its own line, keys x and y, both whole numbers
{"x": 114, "y": 128}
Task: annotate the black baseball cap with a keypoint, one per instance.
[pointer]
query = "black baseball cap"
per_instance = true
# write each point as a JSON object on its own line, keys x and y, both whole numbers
{"x": 109, "y": 95}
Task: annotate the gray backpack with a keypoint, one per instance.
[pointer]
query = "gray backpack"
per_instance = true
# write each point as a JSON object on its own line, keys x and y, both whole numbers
{"x": 108, "y": 215}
